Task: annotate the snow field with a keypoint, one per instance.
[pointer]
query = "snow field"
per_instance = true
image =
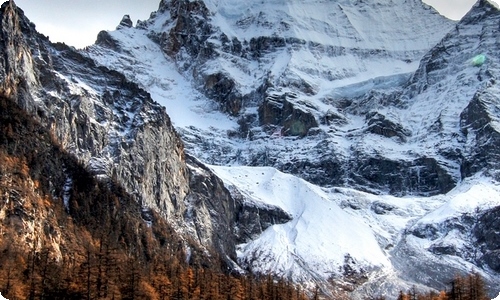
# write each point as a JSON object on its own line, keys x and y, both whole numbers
{"x": 331, "y": 226}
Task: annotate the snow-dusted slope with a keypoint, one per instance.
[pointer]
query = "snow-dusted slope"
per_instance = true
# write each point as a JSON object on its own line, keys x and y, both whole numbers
{"x": 321, "y": 235}
{"x": 343, "y": 233}
{"x": 340, "y": 23}
{"x": 144, "y": 62}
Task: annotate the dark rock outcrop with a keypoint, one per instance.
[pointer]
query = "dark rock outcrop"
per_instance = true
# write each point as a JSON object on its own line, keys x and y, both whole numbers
{"x": 126, "y": 22}
{"x": 379, "y": 124}
{"x": 478, "y": 123}
{"x": 278, "y": 110}
{"x": 487, "y": 234}
{"x": 423, "y": 176}
{"x": 221, "y": 88}
{"x": 261, "y": 45}
{"x": 190, "y": 31}
{"x": 253, "y": 218}
{"x": 104, "y": 39}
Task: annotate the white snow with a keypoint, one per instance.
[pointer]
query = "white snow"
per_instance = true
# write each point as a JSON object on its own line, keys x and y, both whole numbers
{"x": 146, "y": 64}
{"x": 341, "y": 23}
{"x": 332, "y": 224}
{"x": 323, "y": 26}
{"x": 478, "y": 193}
{"x": 329, "y": 224}
{"x": 320, "y": 236}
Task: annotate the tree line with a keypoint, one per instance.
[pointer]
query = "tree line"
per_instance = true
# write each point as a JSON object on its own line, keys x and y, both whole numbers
{"x": 461, "y": 287}
{"x": 105, "y": 273}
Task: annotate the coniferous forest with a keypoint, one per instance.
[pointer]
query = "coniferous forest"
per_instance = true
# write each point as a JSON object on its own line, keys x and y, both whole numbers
{"x": 461, "y": 287}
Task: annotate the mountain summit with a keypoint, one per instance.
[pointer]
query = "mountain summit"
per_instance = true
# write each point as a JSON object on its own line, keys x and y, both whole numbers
{"x": 381, "y": 103}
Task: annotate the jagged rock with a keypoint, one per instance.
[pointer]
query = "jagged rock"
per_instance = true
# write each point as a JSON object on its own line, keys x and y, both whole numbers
{"x": 298, "y": 122}
{"x": 190, "y": 30}
{"x": 443, "y": 249}
{"x": 478, "y": 124}
{"x": 382, "y": 208}
{"x": 222, "y": 88}
{"x": 379, "y": 124}
{"x": 212, "y": 210}
{"x": 253, "y": 218}
{"x": 327, "y": 171}
{"x": 422, "y": 176}
{"x": 487, "y": 234}
{"x": 333, "y": 118}
{"x": 105, "y": 40}
{"x": 260, "y": 45}
{"x": 428, "y": 231}
{"x": 271, "y": 111}
{"x": 126, "y": 22}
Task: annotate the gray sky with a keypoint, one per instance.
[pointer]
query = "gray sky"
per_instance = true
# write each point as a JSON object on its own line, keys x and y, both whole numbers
{"x": 77, "y": 22}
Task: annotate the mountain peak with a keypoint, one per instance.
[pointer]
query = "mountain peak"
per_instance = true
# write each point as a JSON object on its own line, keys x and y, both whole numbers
{"x": 488, "y": 2}
{"x": 9, "y": 8}
{"x": 9, "y": 4}
{"x": 314, "y": 88}
{"x": 126, "y": 22}
{"x": 481, "y": 9}
{"x": 485, "y": 5}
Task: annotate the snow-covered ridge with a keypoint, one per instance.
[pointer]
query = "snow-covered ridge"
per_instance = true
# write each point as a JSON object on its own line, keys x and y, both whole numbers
{"x": 348, "y": 24}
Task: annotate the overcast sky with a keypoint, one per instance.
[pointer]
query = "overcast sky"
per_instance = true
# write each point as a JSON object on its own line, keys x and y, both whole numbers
{"x": 77, "y": 22}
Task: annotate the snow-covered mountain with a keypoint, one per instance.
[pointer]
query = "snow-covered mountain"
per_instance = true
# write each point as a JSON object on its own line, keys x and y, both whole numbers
{"x": 286, "y": 75}
{"x": 379, "y": 104}
{"x": 363, "y": 110}
{"x": 357, "y": 141}
{"x": 113, "y": 128}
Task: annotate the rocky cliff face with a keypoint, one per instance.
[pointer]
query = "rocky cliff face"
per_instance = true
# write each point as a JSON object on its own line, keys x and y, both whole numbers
{"x": 115, "y": 130}
{"x": 94, "y": 112}
{"x": 464, "y": 127}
